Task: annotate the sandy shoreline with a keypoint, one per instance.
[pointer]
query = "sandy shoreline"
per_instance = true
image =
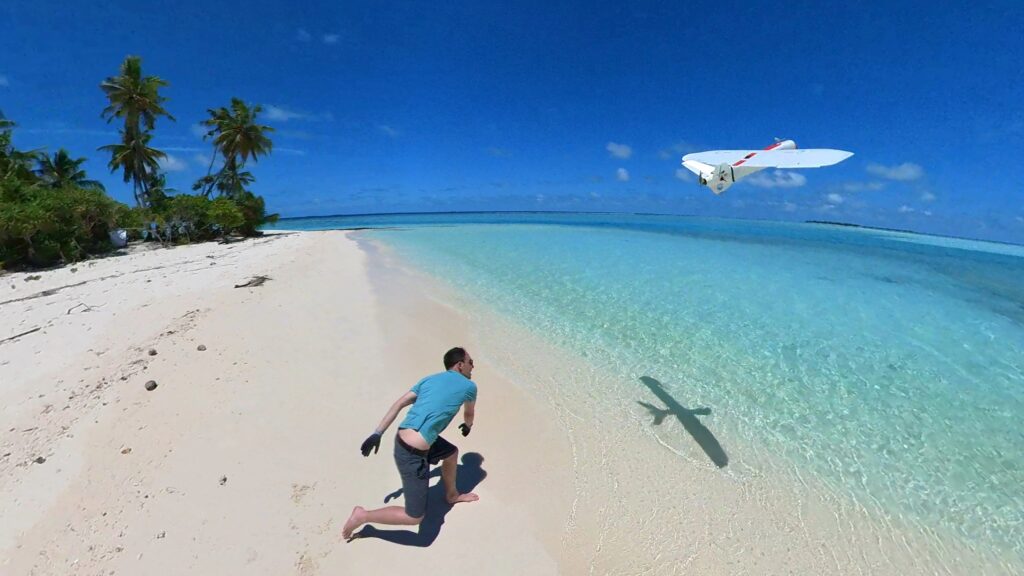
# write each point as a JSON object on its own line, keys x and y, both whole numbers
{"x": 244, "y": 459}
{"x": 294, "y": 374}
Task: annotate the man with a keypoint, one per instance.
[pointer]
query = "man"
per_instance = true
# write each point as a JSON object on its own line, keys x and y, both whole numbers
{"x": 435, "y": 400}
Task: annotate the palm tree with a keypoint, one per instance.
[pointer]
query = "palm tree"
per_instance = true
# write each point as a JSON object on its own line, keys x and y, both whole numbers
{"x": 134, "y": 97}
{"x": 237, "y": 136}
{"x": 137, "y": 159}
{"x": 232, "y": 183}
{"x": 62, "y": 170}
{"x": 157, "y": 190}
{"x": 15, "y": 163}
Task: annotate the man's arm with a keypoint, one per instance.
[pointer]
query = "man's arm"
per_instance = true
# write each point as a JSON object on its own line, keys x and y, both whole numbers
{"x": 373, "y": 442}
{"x": 406, "y": 400}
{"x": 468, "y": 412}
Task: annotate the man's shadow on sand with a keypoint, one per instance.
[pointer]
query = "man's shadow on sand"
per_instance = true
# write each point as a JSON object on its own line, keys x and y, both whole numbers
{"x": 688, "y": 418}
{"x": 469, "y": 475}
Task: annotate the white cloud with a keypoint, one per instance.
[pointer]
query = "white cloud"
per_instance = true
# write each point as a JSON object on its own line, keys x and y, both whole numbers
{"x": 904, "y": 209}
{"x": 280, "y": 114}
{"x": 778, "y": 179}
{"x": 388, "y": 130}
{"x": 4, "y": 82}
{"x": 834, "y": 198}
{"x": 292, "y": 151}
{"x": 788, "y": 207}
{"x": 622, "y": 174}
{"x": 685, "y": 175}
{"x": 619, "y": 150}
{"x": 903, "y": 172}
{"x": 1020, "y": 219}
{"x": 927, "y": 212}
{"x": 202, "y": 159}
{"x": 675, "y": 151}
{"x": 539, "y": 198}
{"x": 173, "y": 164}
{"x": 927, "y": 196}
{"x": 303, "y": 36}
{"x": 331, "y": 38}
{"x": 863, "y": 186}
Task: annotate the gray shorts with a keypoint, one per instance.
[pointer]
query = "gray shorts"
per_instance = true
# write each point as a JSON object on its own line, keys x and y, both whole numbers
{"x": 414, "y": 468}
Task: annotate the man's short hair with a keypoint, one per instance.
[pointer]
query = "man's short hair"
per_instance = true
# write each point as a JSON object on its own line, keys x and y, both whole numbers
{"x": 453, "y": 357}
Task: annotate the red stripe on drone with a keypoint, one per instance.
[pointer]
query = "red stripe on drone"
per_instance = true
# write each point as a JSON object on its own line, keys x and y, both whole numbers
{"x": 745, "y": 158}
{"x": 774, "y": 146}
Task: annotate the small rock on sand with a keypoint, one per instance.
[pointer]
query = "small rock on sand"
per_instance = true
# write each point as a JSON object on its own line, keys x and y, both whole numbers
{"x": 152, "y": 352}
{"x": 126, "y": 450}
{"x": 201, "y": 347}
{"x": 151, "y": 385}
{"x": 223, "y": 480}
{"x": 39, "y": 460}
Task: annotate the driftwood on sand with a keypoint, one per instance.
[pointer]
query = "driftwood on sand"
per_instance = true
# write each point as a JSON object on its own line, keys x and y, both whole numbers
{"x": 256, "y": 281}
{"x": 25, "y": 333}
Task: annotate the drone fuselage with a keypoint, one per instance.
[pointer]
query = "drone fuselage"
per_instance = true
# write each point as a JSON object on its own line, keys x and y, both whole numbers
{"x": 723, "y": 175}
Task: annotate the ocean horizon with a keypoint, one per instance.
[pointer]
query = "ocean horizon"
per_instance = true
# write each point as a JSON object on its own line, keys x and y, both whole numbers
{"x": 370, "y": 219}
{"x": 885, "y": 366}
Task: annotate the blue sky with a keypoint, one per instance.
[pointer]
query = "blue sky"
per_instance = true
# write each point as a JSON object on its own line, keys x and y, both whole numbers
{"x": 384, "y": 107}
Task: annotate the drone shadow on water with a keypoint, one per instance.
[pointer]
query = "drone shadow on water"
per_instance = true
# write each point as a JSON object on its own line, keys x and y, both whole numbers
{"x": 688, "y": 418}
{"x": 468, "y": 476}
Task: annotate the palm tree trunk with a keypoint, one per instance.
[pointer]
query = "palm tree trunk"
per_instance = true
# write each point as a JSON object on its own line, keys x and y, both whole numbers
{"x": 145, "y": 193}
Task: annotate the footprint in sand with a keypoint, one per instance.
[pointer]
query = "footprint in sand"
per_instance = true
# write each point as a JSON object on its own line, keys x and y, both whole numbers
{"x": 299, "y": 492}
{"x": 306, "y": 565}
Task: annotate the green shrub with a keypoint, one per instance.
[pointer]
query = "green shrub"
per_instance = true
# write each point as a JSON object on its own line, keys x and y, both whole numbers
{"x": 42, "y": 226}
{"x": 254, "y": 213}
{"x": 132, "y": 218}
{"x": 187, "y": 216}
{"x": 225, "y": 214}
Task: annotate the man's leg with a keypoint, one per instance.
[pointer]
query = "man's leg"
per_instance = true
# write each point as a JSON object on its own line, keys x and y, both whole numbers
{"x": 413, "y": 470}
{"x": 449, "y": 468}
{"x": 394, "y": 515}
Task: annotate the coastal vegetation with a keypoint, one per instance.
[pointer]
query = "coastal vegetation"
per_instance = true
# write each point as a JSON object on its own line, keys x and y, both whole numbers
{"x": 51, "y": 211}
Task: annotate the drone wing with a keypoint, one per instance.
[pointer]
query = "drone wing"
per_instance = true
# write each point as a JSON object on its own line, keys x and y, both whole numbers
{"x": 716, "y": 157}
{"x": 698, "y": 168}
{"x": 799, "y": 158}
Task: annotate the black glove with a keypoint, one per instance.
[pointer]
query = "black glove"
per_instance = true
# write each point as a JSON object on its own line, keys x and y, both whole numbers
{"x": 465, "y": 429}
{"x": 371, "y": 443}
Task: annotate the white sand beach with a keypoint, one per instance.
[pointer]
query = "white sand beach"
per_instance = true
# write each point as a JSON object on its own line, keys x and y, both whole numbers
{"x": 295, "y": 374}
{"x": 244, "y": 458}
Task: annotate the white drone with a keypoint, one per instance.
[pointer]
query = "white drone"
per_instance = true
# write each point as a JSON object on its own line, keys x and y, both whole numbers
{"x": 720, "y": 169}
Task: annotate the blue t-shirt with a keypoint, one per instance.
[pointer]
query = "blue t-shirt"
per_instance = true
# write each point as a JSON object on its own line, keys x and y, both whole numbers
{"x": 438, "y": 398}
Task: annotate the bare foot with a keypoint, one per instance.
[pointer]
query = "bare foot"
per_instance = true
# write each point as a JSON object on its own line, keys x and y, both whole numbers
{"x": 354, "y": 521}
{"x": 467, "y": 497}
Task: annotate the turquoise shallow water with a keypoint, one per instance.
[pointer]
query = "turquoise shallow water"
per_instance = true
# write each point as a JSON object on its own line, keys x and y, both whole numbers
{"x": 887, "y": 365}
